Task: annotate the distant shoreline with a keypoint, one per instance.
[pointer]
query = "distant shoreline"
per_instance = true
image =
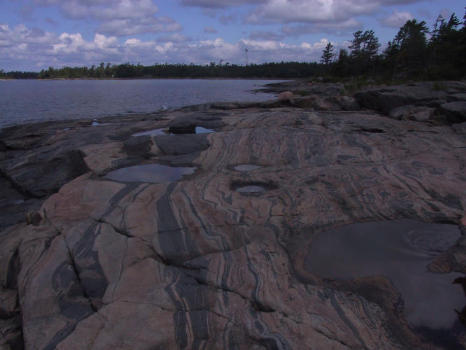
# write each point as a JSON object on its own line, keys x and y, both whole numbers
{"x": 151, "y": 78}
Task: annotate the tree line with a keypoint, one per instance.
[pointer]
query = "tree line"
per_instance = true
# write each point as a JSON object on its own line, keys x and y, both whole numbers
{"x": 212, "y": 70}
{"x": 415, "y": 53}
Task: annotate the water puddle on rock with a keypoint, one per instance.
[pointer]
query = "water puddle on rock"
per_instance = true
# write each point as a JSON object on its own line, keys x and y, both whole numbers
{"x": 154, "y": 132}
{"x": 251, "y": 189}
{"x": 246, "y": 167}
{"x": 401, "y": 251}
{"x": 152, "y": 173}
{"x": 202, "y": 130}
{"x": 166, "y": 131}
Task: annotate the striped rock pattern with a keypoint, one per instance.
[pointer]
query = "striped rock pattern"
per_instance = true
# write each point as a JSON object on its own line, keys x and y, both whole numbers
{"x": 197, "y": 264}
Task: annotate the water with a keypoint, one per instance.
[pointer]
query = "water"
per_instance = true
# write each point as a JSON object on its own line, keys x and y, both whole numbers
{"x": 153, "y": 132}
{"x": 401, "y": 251}
{"x": 251, "y": 189}
{"x": 152, "y": 173}
{"x": 165, "y": 131}
{"x": 24, "y": 101}
{"x": 202, "y": 130}
{"x": 246, "y": 167}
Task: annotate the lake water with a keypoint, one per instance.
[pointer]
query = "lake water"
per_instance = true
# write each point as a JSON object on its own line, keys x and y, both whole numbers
{"x": 23, "y": 101}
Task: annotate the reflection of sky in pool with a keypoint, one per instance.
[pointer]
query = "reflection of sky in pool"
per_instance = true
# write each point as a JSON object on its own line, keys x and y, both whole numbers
{"x": 251, "y": 189}
{"x": 153, "y": 173}
{"x": 164, "y": 131}
{"x": 246, "y": 167}
{"x": 401, "y": 251}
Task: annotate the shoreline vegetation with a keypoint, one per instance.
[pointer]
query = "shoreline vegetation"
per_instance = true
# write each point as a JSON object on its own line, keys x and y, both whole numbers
{"x": 416, "y": 53}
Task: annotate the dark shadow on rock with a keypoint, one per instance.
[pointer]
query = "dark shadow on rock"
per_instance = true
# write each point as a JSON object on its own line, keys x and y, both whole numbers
{"x": 39, "y": 178}
{"x": 182, "y": 144}
{"x": 138, "y": 146}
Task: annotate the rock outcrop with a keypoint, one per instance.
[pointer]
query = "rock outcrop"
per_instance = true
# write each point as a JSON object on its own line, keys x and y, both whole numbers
{"x": 197, "y": 263}
{"x": 446, "y": 101}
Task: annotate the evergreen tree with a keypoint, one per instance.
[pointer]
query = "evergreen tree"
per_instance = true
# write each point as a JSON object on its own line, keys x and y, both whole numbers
{"x": 364, "y": 48}
{"x": 342, "y": 67}
{"x": 410, "y": 45}
{"x": 364, "y": 45}
{"x": 328, "y": 54}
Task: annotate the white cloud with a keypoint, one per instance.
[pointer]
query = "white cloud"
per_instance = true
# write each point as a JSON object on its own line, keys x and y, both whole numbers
{"x": 397, "y": 19}
{"x": 129, "y": 26}
{"x": 289, "y": 11}
{"x": 104, "y": 9}
{"x": 219, "y": 3}
{"x": 29, "y": 49}
{"x": 321, "y": 27}
{"x": 117, "y": 17}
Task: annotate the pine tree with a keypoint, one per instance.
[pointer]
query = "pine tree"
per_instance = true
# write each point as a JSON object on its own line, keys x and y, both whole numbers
{"x": 328, "y": 54}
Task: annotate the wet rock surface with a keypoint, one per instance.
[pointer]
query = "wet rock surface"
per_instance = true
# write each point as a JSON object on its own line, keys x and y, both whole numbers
{"x": 192, "y": 262}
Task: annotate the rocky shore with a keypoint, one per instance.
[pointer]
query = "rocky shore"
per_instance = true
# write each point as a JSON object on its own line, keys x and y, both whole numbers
{"x": 193, "y": 228}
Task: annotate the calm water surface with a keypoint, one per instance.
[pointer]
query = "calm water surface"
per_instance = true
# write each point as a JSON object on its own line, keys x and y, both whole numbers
{"x": 400, "y": 250}
{"x": 23, "y": 101}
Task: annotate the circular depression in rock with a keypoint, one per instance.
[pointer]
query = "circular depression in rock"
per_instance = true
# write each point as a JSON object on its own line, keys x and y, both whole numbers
{"x": 252, "y": 187}
{"x": 400, "y": 250}
{"x": 152, "y": 173}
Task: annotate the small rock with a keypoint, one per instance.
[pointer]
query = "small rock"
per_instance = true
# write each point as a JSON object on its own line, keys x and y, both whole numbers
{"x": 441, "y": 264}
{"x": 410, "y": 112}
{"x": 316, "y": 103}
{"x": 346, "y": 103}
{"x": 33, "y": 218}
{"x": 454, "y": 111}
{"x": 285, "y": 96}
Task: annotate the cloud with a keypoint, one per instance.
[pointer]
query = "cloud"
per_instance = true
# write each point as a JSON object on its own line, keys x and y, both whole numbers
{"x": 175, "y": 37}
{"x": 219, "y": 3}
{"x": 265, "y": 35}
{"x": 117, "y": 17}
{"x": 32, "y": 49}
{"x": 130, "y": 26}
{"x": 396, "y": 19}
{"x": 103, "y": 9}
{"x": 289, "y": 11}
{"x": 323, "y": 14}
{"x": 321, "y": 27}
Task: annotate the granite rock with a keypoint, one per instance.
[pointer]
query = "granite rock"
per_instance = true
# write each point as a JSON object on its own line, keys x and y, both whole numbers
{"x": 198, "y": 264}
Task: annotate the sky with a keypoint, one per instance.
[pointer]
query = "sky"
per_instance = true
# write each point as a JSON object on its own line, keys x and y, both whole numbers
{"x": 36, "y": 34}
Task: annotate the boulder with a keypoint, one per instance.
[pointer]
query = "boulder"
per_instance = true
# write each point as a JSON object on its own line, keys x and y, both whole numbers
{"x": 285, "y": 96}
{"x": 410, "y": 112}
{"x": 455, "y": 112}
{"x": 181, "y": 144}
{"x": 139, "y": 146}
{"x": 385, "y": 99}
{"x": 40, "y": 177}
